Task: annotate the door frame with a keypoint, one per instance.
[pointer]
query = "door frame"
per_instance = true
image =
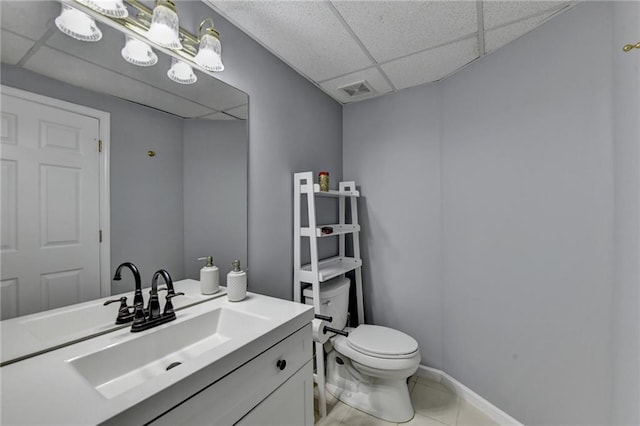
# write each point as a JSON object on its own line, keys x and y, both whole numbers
{"x": 104, "y": 126}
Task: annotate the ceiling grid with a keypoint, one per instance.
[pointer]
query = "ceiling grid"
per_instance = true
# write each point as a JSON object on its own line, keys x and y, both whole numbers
{"x": 480, "y": 11}
{"x": 362, "y": 46}
{"x": 392, "y": 45}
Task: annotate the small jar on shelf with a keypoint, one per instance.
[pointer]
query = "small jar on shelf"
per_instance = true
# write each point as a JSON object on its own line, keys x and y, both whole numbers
{"x": 323, "y": 180}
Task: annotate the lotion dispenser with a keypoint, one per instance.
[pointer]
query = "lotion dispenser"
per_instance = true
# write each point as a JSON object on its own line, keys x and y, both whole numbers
{"x": 236, "y": 283}
{"x": 209, "y": 276}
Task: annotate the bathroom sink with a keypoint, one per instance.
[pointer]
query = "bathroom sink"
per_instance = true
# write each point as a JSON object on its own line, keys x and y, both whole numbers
{"x": 125, "y": 365}
{"x": 38, "y": 333}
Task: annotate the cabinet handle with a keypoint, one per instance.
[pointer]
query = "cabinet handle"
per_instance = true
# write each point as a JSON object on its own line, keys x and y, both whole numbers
{"x": 281, "y": 364}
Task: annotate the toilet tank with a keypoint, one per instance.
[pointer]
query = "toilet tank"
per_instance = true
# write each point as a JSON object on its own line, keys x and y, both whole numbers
{"x": 334, "y": 300}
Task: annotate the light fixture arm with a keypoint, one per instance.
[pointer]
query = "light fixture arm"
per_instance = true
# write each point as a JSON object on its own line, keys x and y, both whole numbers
{"x": 211, "y": 30}
{"x": 166, "y": 3}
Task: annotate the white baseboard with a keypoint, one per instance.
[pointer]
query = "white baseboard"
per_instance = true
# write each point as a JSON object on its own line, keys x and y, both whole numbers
{"x": 468, "y": 395}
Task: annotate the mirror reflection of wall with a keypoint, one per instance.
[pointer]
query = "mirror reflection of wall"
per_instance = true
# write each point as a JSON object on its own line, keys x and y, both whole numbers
{"x": 187, "y": 201}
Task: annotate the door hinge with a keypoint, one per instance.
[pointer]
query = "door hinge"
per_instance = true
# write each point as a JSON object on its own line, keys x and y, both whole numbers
{"x": 99, "y": 145}
{"x": 100, "y": 235}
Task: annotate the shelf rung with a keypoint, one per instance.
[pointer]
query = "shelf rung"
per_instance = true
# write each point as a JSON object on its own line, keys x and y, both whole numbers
{"x": 330, "y": 268}
{"x": 338, "y": 229}
{"x": 331, "y": 193}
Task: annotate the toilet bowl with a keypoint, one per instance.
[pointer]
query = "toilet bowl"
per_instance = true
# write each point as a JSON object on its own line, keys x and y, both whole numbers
{"x": 368, "y": 369}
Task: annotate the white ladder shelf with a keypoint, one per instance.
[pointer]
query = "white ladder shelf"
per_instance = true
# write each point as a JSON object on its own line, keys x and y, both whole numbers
{"x": 321, "y": 270}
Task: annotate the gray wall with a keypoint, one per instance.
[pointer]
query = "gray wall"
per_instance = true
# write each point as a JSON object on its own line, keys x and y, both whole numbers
{"x": 528, "y": 222}
{"x": 392, "y": 149}
{"x": 215, "y": 199}
{"x": 293, "y": 127}
{"x": 146, "y": 193}
{"x": 626, "y": 302}
{"x": 524, "y": 302}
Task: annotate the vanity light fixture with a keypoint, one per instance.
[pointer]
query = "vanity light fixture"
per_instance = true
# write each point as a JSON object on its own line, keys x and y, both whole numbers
{"x": 181, "y": 72}
{"x": 111, "y": 8}
{"x": 209, "y": 54}
{"x": 139, "y": 53}
{"x": 165, "y": 27}
{"x": 77, "y": 24}
{"x": 146, "y": 28}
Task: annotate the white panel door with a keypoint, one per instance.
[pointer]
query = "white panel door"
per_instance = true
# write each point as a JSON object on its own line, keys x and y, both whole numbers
{"x": 50, "y": 249}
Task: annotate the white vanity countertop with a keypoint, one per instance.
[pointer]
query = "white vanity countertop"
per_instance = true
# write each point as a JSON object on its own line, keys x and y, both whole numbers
{"x": 29, "y": 334}
{"x": 48, "y": 389}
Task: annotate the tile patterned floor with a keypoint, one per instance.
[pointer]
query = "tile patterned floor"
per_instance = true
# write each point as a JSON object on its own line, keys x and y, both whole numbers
{"x": 434, "y": 404}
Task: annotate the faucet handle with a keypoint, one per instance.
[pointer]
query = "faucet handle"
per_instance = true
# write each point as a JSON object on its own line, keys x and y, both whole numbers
{"x": 122, "y": 300}
{"x": 124, "y": 314}
{"x": 168, "y": 306}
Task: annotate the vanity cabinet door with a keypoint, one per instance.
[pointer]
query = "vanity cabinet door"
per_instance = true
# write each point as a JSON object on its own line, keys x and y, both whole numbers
{"x": 289, "y": 405}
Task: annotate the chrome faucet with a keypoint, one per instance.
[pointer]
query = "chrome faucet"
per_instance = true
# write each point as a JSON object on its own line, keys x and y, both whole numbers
{"x": 125, "y": 315}
{"x": 154, "y": 317}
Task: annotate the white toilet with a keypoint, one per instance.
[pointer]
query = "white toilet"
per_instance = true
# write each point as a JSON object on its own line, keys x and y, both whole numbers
{"x": 367, "y": 370}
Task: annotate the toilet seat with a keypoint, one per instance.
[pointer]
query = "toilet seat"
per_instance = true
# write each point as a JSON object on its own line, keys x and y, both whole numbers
{"x": 389, "y": 364}
{"x": 382, "y": 342}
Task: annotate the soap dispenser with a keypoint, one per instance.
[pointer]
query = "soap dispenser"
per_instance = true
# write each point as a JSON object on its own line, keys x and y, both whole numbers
{"x": 236, "y": 283}
{"x": 209, "y": 276}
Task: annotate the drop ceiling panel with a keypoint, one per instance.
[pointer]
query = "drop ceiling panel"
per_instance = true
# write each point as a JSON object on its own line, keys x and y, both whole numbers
{"x": 63, "y": 67}
{"x": 431, "y": 65}
{"x": 371, "y": 75}
{"x": 14, "y": 47}
{"x": 412, "y": 42}
{"x": 218, "y": 116}
{"x": 497, "y": 38}
{"x": 391, "y": 29}
{"x": 306, "y": 34}
{"x": 241, "y": 112}
{"x": 497, "y": 13}
{"x": 30, "y": 19}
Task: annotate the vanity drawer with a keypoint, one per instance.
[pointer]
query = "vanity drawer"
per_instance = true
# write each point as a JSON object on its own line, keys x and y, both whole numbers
{"x": 230, "y": 398}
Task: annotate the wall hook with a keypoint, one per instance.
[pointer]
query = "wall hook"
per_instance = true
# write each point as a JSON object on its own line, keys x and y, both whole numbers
{"x": 151, "y": 153}
{"x": 628, "y": 47}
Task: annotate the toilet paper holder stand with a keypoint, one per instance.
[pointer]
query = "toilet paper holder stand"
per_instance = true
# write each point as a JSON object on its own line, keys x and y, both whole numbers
{"x": 330, "y": 329}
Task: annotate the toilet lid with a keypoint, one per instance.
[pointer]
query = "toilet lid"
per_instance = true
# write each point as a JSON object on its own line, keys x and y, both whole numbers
{"x": 378, "y": 340}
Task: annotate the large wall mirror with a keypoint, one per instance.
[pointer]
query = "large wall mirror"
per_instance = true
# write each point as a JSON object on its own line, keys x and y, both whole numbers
{"x": 176, "y": 173}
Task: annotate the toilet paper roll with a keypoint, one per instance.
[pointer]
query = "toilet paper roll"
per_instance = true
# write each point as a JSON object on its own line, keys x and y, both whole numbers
{"x": 318, "y": 334}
